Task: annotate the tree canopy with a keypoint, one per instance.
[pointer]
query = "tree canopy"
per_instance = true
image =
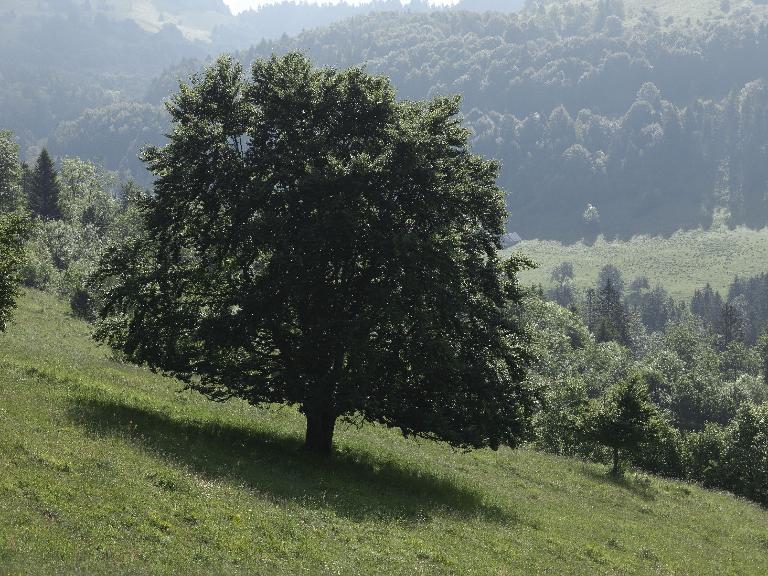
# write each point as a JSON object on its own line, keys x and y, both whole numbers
{"x": 314, "y": 241}
{"x": 13, "y": 226}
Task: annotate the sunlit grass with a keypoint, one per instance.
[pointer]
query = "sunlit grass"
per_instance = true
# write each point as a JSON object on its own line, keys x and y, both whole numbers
{"x": 681, "y": 263}
{"x": 109, "y": 469}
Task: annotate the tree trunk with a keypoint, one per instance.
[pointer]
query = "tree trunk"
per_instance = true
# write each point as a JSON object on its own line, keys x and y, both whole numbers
{"x": 615, "y": 462}
{"x": 320, "y": 425}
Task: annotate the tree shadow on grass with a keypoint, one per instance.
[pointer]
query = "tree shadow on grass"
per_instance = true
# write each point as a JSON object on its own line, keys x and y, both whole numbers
{"x": 354, "y": 484}
{"x": 639, "y": 487}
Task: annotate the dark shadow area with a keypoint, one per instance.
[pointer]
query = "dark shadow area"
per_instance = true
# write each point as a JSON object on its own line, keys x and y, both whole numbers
{"x": 639, "y": 488}
{"x": 355, "y": 485}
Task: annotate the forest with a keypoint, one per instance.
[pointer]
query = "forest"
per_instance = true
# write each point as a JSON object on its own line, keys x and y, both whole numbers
{"x": 653, "y": 122}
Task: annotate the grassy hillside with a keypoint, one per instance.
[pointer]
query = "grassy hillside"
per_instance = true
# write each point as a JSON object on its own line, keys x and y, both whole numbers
{"x": 107, "y": 469}
{"x": 678, "y": 11}
{"x": 682, "y": 263}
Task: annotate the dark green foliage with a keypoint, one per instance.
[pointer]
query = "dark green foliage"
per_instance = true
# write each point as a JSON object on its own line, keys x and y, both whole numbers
{"x": 750, "y": 295}
{"x": 13, "y": 231}
{"x": 610, "y": 276}
{"x": 661, "y": 451}
{"x": 735, "y": 457}
{"x": 44, "y": 190}
{"x": 746, "y": 456}
{"x": 626, "y": 116}
{"x": 313, "y": 241}
{"x": 704, "y": 393}
{"x": 113, "y": 134}
{"x": 656, "y": 124}
{"x": 62, "y": 253}
{"x": 623, "y": 419}
{"x": 707, "y": 305}
{"x": 13, "y": 226}
{"x": 705, "y": 451}
{"x": 607, "y": 316}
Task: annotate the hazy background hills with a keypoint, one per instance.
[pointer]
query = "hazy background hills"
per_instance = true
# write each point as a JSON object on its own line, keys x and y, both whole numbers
{"x": 652, "y": 112}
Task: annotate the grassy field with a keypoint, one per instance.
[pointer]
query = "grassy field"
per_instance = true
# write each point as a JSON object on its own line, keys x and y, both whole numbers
{"x": 682, "y": 263}
{"x": 681, "y": 10}
{"x": 108, "y": 469}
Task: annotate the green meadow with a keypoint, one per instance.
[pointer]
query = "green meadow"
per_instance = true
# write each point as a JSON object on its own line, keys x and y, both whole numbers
{"x": 681, "y": 263}
{"x": 108, "y": 469}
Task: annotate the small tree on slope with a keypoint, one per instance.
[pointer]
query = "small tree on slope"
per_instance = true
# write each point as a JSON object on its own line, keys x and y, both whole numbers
{"x": 623, "y": 419}
{"x": 312, "y": 241}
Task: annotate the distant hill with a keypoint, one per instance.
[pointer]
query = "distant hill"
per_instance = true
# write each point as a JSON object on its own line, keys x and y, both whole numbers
{"x": 211, "y": 20}
{"x": 291, "y": 17}
{"x": 194, "y": 18}
{"x": 654, "y": 114}
{"x": 657, "y": 124}
{"x": 66, "y": 62}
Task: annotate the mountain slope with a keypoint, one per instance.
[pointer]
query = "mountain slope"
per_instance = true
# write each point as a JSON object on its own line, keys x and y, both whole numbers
{"x": 107, "y": 469}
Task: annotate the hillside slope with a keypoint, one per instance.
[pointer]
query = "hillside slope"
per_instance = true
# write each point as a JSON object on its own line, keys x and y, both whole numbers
{"x": 107, "y": 469}
{"x": 681, "y": 263}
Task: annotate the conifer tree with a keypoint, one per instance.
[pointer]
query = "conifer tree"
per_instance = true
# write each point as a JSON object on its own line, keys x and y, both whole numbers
{"x": 43, "y": 192}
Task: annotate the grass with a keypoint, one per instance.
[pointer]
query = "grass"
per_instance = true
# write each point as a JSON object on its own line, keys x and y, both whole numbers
{"x": 682, "y": 263}
{"x": 108, "y": 469}
{"x": 679, "y": 11}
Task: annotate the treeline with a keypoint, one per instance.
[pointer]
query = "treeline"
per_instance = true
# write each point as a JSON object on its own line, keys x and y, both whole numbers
{"x": 656, "y": 124}
{"x": 66, "y": 216}
{"x": 654, "y": 169}
{"x": 696, "y": 371}
{"x": 606, "y": 122}
{"x": 76, "y": 77}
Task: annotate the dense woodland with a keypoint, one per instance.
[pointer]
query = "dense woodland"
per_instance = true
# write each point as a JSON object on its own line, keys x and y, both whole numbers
{"x": 56, "y": 91}
{"x": 608, "y": 120}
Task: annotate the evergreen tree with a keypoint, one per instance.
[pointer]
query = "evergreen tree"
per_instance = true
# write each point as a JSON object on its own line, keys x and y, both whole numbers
{"x": 611, "y": 322}
{"x": 44, "y": 192}
{"x": 707, "y": 304}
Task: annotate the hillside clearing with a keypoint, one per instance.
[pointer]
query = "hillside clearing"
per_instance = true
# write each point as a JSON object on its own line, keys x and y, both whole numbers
{"x": 682, "y": 263}
{"x": 108, "y": 469}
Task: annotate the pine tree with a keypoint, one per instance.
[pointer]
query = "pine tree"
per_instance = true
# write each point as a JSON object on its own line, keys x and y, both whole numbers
{"x": 44, "y": 191}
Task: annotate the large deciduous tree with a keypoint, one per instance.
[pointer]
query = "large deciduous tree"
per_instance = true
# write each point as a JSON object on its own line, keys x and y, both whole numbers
{"x": 315, "y": 242}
